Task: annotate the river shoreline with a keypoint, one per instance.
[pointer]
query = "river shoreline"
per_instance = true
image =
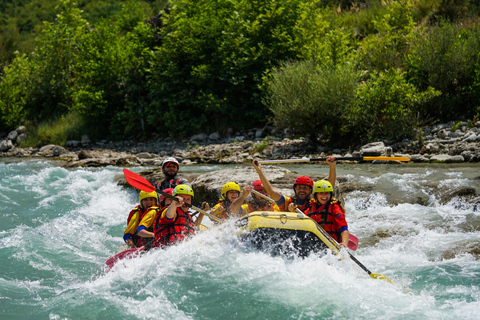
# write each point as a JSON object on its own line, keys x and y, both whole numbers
{"x": 450, "y": 143}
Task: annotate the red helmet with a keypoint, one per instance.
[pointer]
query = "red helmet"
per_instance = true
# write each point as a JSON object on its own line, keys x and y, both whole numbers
{"x": 162, "y": 197}
{"x": 257, "y": 185}
{"x": 303, "y": 180}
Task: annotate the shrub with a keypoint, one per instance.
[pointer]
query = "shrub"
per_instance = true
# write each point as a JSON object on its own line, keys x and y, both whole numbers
{"x": 313, "y": 100}
{"x": 387, "y": 106}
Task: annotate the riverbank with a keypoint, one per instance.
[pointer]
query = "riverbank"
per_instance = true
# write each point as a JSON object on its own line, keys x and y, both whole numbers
{"x": 450, "y": 142}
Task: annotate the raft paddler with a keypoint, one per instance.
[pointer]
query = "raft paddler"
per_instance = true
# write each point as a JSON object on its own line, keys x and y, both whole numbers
{"x": 328, "y": 212}
{"x": 256, "y": 203}
{"x": 170, "y": 167}
{"x": 145, "y": 227}
{"x": 175, "y": 223}
{"x": 148, "y": 203}
{"x": 303, "y": 187}
{"x": 230, "y": 196}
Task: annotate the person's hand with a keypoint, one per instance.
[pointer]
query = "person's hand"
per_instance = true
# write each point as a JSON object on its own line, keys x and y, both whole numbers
{"x": 246, "y": 190}
{"x": 179, "y": 203}
{"x": 344, "y": 244}
{"x": 130, "y": 243}
{"x": 256, "y": 164}
{"x": 218, "y": 212}
{"x": 205, "y": 206}
{"x": 292, "y": 207}
{"x": 331, "y": 160}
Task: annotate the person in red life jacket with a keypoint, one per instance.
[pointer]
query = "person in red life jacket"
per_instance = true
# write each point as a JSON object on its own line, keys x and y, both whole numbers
{"x": 170, "y": 167}
{"x": 148, "y": 200}
{"x": 303, "y": 187}
{"x": 329, "y": 212}
{"x": 256, "y": 203}
{"x": 230, "y": 192}
{"x": 145, "y": 226}
{"x": 175, "y": 222}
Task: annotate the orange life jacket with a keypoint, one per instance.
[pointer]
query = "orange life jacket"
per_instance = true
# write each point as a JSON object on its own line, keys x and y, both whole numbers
{"x": 169, "y": 233}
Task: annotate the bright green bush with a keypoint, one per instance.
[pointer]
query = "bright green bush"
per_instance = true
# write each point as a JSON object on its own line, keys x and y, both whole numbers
{"x": 314, "y": 101}
{"x": 387, "y": 107}
{"x": 446, "y": 58}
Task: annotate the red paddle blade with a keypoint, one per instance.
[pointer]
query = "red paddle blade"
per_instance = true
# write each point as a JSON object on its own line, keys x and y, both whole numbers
{"x": 126, "y": 254}
{"x": 352, "y": 242}
{"x": 137, "y": 181}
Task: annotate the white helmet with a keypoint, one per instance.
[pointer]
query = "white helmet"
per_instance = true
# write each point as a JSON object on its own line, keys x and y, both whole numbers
{"x": 168, "y": 160}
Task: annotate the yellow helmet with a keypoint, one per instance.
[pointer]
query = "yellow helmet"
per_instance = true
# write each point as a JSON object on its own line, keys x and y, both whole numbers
{"x": 182, "y": 189}
{"x": 229, "y": 186}
{"x": 322, "y": 186}
{"x": 144, "y": 195}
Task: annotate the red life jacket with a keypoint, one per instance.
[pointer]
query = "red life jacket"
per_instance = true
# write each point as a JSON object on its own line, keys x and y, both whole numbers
{"x": 325, "y": 217}
{"x": 252, "y": 206}
{"x": 169, "y": 233}
{"x": 304, "y": 207}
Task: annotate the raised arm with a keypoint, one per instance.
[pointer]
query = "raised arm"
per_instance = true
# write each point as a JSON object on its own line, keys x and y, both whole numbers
{"x": 332, "y": 174}
{"x": 237, "y": 203}
{"x": 274, "y": 194}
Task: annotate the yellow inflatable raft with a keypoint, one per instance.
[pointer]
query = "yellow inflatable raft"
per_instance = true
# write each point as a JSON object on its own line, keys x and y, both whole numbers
{"x": 284, "y": 233}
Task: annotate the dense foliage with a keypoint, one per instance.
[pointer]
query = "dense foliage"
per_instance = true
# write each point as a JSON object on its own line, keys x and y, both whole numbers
{"x": 347, "y": 71}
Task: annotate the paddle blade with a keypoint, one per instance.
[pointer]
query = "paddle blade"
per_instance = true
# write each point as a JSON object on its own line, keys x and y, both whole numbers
{"x": 387, "y": 158}
{"x": 126, "y": 254}
{"x": 352, "y": 242}
{"x": 379, "y": 277}
{"x": 137, "y": 181}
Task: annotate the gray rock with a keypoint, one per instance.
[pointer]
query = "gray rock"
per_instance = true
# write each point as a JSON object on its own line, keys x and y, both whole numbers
{"x": 144, "y": 155}
{"x": 21, "y": 129}
{"x": 373, "y": 149}
{"x": 214, "y": 136}
{"x": 446, "y": 158}
{"x": 86, "y": 141}
{"x": 199, "y": 137}
{"x": 259, "y": 133}
{"x": 12, "y": 136}
{"x": 418, "y": 158}
{"x": 5, "y": 145}
{"x": 47, "y": 148}
{"x": 74, "y": 144}
{"x": 239, "y": 138}
{"x": 22, "y": 137}
{"x": 58, "y": 150}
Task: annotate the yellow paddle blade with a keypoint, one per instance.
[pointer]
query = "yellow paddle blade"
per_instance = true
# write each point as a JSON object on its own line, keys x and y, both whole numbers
{"x": 387, "y": 158}
{"x": 380, "y": 277}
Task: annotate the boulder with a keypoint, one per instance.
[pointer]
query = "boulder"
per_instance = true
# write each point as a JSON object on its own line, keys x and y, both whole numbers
{"x": 199, "y": 137}
{"x": 144, "y": 155}
{"x": 373, "y": 149}
{"x": 447, "y": 158}
{"x": 74, "y": 144}
{"x": 47, "y": 148}
{"x": 5, "y": 145}
{"x": 21, "y": 137}
{"x": 58, "y": 150}
{"x": 214, "y": 136}
{"x": 12, "y": 136}
{"x": 86, "y": 141}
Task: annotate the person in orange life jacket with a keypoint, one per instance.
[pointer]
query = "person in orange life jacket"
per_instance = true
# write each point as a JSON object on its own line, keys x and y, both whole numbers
{"x": 148, "y": 200}
{"x": 257, "y": 203}
{"x": 302, "y": 187}
{"x": 145, "y": 226}
{"x": 230, "y": 193}
{"x": 175, "y": 222}
{"x": 329, "y": 212}
{"x": 170, "y": 167}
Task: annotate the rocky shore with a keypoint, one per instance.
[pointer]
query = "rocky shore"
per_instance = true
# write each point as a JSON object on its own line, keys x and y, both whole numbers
{"x": 449, "y": 142}
{"x": 439, "y": 143}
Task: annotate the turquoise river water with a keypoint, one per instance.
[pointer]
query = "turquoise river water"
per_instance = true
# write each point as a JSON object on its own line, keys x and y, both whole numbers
{"x": 58, "y": 227}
